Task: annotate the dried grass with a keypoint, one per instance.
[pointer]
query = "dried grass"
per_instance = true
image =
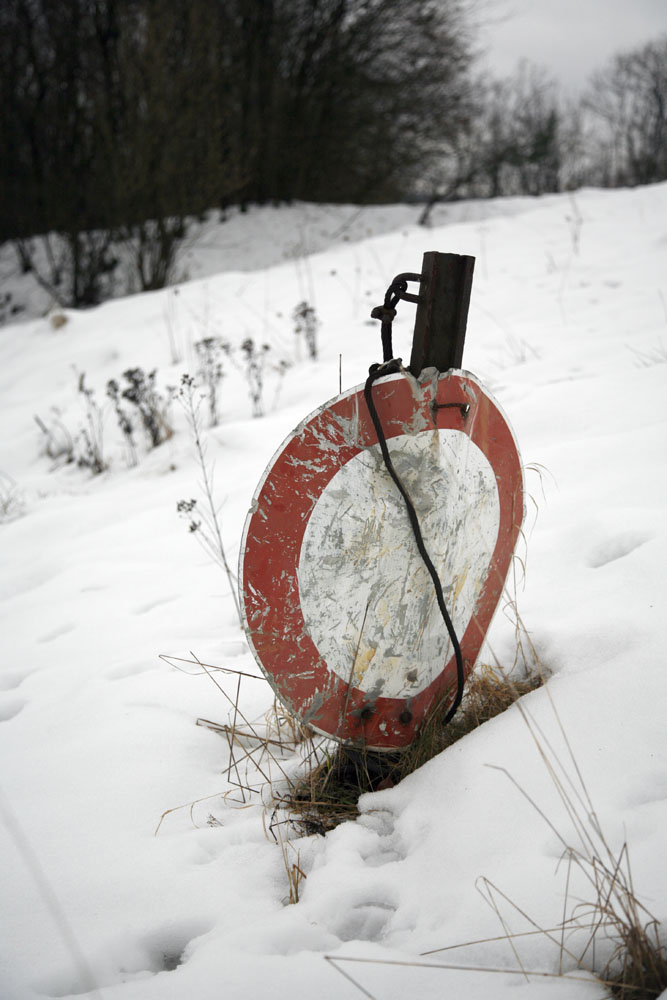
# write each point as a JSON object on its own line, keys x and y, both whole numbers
{"x": 328, "y": 795}
{"x": 308, "y": 785}
{"x": 611, "y": 935}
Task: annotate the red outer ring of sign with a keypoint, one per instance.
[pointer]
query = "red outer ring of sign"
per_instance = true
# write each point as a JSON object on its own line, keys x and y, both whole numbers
{"x": 284, "y": 501}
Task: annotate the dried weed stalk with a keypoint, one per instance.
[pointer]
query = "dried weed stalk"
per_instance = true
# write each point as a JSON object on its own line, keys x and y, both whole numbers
{"x": 308, "y": 784}
{"x": 90, "y": 450}
{"x": 306, "y": 325}
{"x": 265, "y": 756}
{"x": 204, "y": 522}
{"x": 151, "y": 408}
{"x": 265, "y": 753}
{"x": 611, "y": 939}
{"x": 58, "y": 441}
{"x": 295, "y": 873}
{"x": 254, "y": 366}
{"x": 613, "y": 923}
{"x": 210, "y": 353}
{"x": 12, "y": 501}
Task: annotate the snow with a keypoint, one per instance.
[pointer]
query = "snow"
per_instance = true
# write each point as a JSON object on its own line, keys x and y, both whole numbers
{"x": 568, "y": 328}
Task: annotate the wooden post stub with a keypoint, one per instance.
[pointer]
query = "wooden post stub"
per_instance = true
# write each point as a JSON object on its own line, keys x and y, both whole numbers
{"x": 442, "y": 311}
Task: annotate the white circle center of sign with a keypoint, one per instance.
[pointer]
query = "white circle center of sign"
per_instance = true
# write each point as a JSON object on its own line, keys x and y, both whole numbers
{"x": 367, "y": 598}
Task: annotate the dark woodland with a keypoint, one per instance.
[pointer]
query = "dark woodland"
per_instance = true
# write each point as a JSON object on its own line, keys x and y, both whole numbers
{"x": 125, "y": 120}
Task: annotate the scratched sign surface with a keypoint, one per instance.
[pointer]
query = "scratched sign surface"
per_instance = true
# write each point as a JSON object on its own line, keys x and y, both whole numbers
{"x": 339, "y": 609}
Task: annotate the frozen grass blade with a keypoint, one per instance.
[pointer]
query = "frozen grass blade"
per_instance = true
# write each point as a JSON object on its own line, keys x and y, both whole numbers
{"x": 636, "y": 969}
{"x": 333, "y": 962}
{"x": 490, "y": 899}
{"x": 541, "y": 973}
{"x": 497, "y": 938}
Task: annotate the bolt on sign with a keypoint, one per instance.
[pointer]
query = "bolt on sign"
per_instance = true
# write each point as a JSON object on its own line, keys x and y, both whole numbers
{"x": 339, "y": 608}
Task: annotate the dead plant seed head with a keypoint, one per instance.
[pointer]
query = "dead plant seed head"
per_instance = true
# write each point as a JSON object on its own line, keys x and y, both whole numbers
{"x": 205, "y": 523}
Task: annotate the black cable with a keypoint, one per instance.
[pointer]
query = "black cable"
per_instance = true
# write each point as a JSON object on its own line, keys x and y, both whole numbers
{"x": 376, "y": 372}
{"x": 386, "y": 313}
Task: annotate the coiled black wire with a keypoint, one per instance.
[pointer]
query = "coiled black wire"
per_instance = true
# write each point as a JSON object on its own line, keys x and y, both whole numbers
{"x": 390, "y": 366}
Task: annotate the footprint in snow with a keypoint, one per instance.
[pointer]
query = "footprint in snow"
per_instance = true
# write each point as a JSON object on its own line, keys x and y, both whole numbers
{"x": 129, "y": 670}
{"x": 56, "y": 633}
{"x": 10, "y": 679}
{"x": 165, "y": 950}
{"x": 365, "y": 921}
{"x": 388, "y": 846}
{"x": 652, "y": 788}
{"x": 145, "y": 608}
{"x": 616, "y": 548}
{"x": 10, "y": 708}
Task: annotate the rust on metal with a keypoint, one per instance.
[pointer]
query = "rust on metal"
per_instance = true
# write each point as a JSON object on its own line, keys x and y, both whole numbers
{"x": 442, "y": 311}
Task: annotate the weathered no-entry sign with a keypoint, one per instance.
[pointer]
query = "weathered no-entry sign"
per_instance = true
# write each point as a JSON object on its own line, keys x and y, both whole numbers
{"x": 338, "y": 606}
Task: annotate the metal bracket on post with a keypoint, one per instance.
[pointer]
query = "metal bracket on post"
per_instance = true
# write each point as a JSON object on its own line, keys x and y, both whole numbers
{"x": 442, "y": 311}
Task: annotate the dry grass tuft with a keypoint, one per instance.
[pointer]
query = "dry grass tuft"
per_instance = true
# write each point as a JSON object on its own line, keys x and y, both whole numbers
{"x": 611, "y": 933}
{"x": 638, "y": 967}
{"x": 328, "y": 795}
{"x": 489, "y": 692}
{"x": 293, "y": 869}
{"x": 307, "y": 784}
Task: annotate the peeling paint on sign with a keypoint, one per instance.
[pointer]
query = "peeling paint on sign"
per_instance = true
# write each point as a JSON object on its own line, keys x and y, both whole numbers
{"x": 338, "y": 606}
{"x": 359, "y": 561}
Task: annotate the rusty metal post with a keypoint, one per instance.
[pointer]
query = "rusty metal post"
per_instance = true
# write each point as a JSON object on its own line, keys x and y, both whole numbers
{"x": 442, "y": 311}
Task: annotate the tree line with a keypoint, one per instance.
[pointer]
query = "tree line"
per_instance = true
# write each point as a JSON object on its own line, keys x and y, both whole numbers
{"x": 123, "y": 120}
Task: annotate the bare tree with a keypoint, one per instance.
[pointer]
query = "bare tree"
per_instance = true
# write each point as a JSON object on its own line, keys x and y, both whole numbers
{"x": 520, "y": 138}
{"x": 628, "y": 104}
{"x": 342, "y": 100}
{"x": 126, "y": 118}
{"x": 521, "y": 135}
{"x": 56, "y": 161}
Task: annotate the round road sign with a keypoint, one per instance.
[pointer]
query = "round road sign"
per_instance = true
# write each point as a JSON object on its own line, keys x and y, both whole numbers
{"x": 338, "y": 606}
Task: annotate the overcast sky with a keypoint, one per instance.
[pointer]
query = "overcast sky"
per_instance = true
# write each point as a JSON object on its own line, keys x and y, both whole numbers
{"x": 570, "y": 38}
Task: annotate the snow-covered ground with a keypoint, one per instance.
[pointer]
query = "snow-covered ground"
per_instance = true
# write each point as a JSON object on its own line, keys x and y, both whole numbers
{"x": 568, "y": 328}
